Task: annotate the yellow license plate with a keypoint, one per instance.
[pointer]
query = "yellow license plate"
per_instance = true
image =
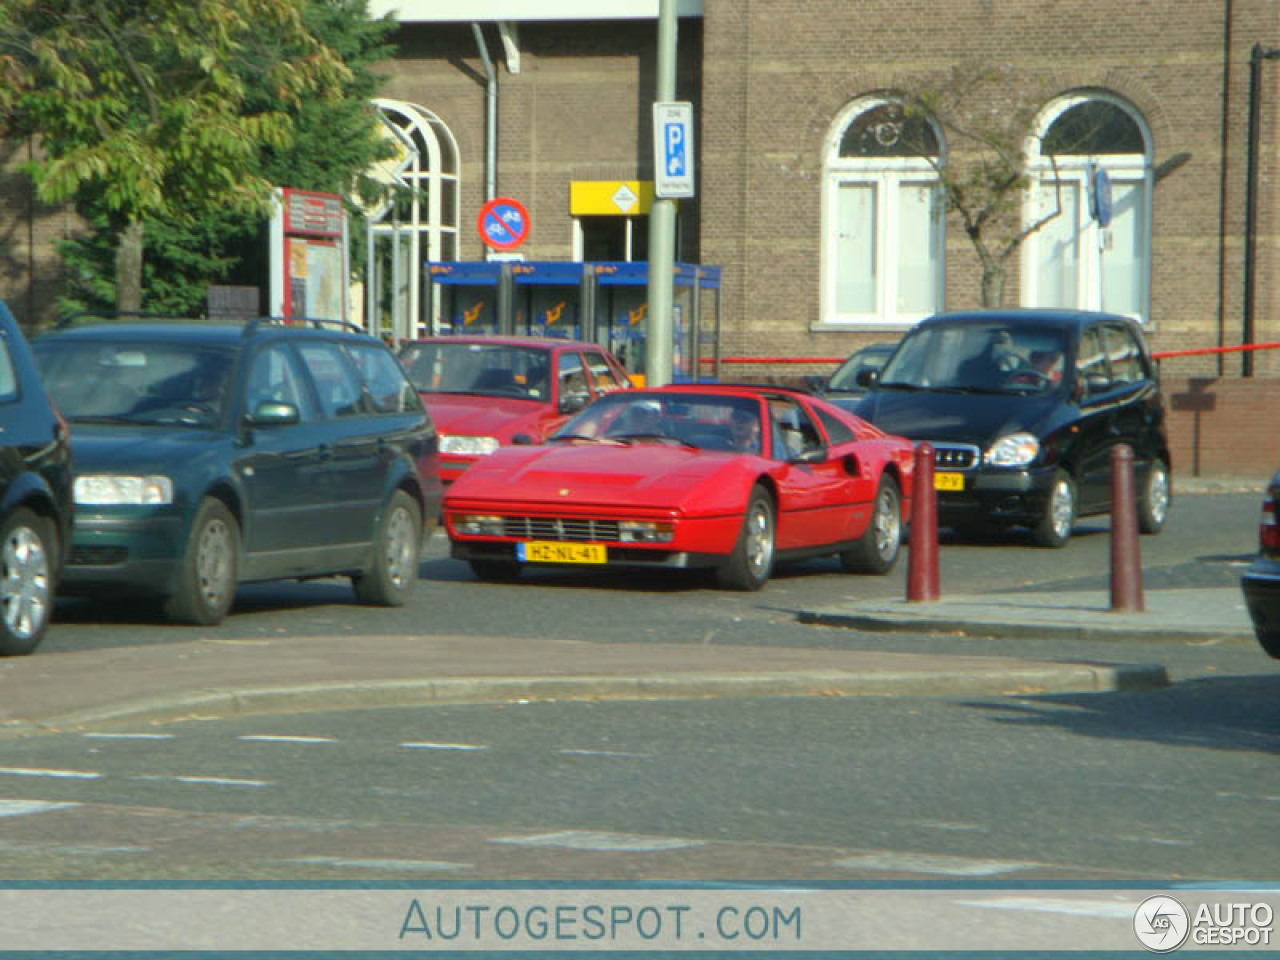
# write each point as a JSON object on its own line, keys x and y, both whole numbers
{"x": 948, "y": 481}
{"x": 542, "y": 551}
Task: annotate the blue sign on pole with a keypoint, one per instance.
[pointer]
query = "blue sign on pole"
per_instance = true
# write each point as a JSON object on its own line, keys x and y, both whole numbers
{"x": 673, "y": 149}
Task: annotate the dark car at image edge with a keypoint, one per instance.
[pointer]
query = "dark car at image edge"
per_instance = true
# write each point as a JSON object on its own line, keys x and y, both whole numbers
{"x": 35, "y": 495}
{"x": 1261, "y": 581}
{"x": 211, "y": 454}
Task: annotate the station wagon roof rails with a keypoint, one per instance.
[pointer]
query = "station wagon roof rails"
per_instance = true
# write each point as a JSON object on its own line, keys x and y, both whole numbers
{"x": 122, "y": 316}
{"x": 316, "y": 323}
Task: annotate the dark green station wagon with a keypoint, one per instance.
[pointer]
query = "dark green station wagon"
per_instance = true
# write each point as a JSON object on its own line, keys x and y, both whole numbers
{"x": 211, "y": 454}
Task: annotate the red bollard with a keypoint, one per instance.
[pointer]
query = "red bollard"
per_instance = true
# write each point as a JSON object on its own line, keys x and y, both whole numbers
{"x": 922, "y": 566}
{"x": 1126, "y": 564}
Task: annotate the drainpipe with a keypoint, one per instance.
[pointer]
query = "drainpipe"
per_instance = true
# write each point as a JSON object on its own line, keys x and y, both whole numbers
{"x": 1258, "y": 54}
{"x": 490, "y": 116}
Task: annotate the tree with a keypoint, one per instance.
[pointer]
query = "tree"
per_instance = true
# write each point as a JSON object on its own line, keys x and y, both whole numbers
{"x": 142, "y": 107}
{"x": 984, "y": 175}
{"x": 334, "y": 140}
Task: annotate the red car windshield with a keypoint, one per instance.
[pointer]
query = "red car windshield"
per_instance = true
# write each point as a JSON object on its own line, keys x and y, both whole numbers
{"x": 698, "y": 420}
{"x": 485, "y": 369}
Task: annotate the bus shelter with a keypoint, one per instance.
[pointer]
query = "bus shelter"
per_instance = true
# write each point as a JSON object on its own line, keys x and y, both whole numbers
{"x": 603, "y": 302}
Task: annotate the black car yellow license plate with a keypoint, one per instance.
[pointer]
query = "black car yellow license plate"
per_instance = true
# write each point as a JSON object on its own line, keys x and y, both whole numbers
{"x": 948, "y": 481}
{"x": 543, "y": 551}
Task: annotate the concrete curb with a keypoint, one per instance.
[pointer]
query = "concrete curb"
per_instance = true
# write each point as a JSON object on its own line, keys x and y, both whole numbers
{"x": 1034, "y": 678}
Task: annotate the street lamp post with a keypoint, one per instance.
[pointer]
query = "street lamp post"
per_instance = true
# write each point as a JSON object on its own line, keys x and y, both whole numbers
{"x": 1256, "y": 58}
{"x": 662, "y": 223}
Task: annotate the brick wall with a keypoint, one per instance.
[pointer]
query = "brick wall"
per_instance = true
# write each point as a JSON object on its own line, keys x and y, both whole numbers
{"x": 1223, "y": 427}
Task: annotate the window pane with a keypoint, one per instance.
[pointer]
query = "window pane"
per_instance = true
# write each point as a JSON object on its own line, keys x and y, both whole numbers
{"x": 888, "y": 131}
{"x": 1124, "y": 254}
{"x": 856, "y": 248}
{"x": 1093, "y": 128}
{"x": 917, "y": 249}
{"x": 1057, "y": 261}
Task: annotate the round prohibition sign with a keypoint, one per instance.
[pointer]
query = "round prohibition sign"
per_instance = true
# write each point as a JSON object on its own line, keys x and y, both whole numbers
{"x": 503, "y": 223}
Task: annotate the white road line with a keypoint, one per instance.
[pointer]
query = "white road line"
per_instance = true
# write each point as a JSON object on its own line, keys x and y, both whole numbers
{"x": 597, "y": 840}
{"x": 39, "y": 772}
{"x": 21, "y": 808}
{"x": 283, "y": 739}
{"x": 569, "y": 751}
{"x": 946, "y": 866}
{"x": 423, "y": 866}
{"x": 128, "y": 736}
{"x": 209, "y": 781}
{"x": 444, "y": 746}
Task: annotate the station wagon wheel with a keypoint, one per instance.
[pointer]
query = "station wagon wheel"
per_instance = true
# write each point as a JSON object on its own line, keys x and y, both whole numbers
{"x": 877, "y": 549}
{"x": 210, "y": 563}
{"x": 26, "y": 581}
{"x": 397, "y": 545}
{"x": 751, "y": 563}
{"x": 1153, "y": 502}
{"x": 1054, "y": 528}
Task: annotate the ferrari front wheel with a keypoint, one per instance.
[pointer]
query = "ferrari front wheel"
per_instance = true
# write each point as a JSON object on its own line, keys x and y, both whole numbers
{"x": 751, "y": 563}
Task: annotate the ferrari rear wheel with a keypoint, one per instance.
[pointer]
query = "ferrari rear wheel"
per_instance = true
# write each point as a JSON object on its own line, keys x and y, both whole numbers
{"x": 495, "y": 570}
{"x": 751, "y": 563}
{"x": 877, "y": 549}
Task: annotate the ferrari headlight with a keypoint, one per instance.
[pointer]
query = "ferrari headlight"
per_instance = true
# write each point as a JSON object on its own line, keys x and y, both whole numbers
{"x": 1014, "y": 450}
{"x": 474, "y": 446}
{"x": 645, "y": 531}
{"x": 478, "y": 525}
{"x": 112, "y": 490}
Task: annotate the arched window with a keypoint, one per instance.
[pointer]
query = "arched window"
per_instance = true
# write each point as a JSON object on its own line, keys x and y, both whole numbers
{"x": 1091, "y": 161}
{"x": 882, "y": 223}
{"x": 417, "y": 223}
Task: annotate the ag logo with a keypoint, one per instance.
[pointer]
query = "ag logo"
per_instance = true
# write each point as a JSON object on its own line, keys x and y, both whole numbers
{"x": 1161, "y": 924}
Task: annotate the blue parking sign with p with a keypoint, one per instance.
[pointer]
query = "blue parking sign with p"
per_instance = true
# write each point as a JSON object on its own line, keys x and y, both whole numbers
{"x": 673, "y": 149}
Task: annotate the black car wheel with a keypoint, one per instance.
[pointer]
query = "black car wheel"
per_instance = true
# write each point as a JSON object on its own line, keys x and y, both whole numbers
{"x": 1153, "y": 502}
{"x": 27, "y": 548}
{"x": 751, "y": 563}
{"x": 1054, "y": 528}
{"x": 877, "y": 549}
{"x": 207, "y": 582}
{"x": 396, "y": 550}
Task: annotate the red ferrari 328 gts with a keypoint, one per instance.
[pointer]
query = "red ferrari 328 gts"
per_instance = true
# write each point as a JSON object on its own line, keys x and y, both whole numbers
{"x": 728, "y": 477}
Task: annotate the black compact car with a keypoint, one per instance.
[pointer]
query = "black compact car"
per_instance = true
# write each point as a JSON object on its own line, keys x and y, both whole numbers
{"x": 1023, "y": 409}
{"x": 1261, "y": 582}
{"x": 211, "y": 454}
{"x": 35, "y": 495}
{"x": 844, "y": 382}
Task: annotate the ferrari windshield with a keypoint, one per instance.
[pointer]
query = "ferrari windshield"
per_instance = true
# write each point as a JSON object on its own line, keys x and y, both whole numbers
{"x": 159, "y": 383}
{"x": 978, "y": 357}
{"x": 705, "y": 421}
{"x": 485, "y": 369}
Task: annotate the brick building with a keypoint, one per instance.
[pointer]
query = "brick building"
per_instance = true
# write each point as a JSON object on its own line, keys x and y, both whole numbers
{"x": 817, "y": 193}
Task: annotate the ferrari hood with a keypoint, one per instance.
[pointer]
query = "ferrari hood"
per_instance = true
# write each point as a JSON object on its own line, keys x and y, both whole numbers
{"x": 641, "y": 475}
{"x": 977, "y": 418}
{"x": 483, "y": 416}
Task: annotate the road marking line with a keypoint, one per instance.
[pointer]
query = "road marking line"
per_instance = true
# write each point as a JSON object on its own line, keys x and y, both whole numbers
{"x": 284, "y": 739}
{"x": 569, "y": 751}
{"x": 210, "y": 781}
{"x": 129, "y": 736}
{"x": 598, "y": 840}
{"x": 403, "y": 865}
{"x": 444, "y": 746}
{"x": 20, "y": 808}
{"x": 935, "y": 864}
{"x": 38, "y": 772}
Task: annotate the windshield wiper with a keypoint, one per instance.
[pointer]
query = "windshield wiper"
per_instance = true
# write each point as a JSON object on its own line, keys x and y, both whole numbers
{"x": 101, "y": 418}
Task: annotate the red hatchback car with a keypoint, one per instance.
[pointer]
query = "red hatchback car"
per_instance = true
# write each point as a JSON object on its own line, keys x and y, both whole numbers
{"x": 485, "y": 392}
{"x": 720, "y": 477}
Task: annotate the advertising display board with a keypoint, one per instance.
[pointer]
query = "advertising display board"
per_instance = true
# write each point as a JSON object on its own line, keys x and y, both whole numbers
{"x": 309, "y": 261}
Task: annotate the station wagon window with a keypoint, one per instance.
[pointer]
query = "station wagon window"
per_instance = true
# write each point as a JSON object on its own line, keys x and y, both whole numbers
{"x": 273, "y": 378}
{"x": 1092, "y": 361}
{"x": 335, "y": 381}
{"x": 1124, "y": 354}
{"x": 385, "y": 380}
{"x": 573, "y": 381}
{"x": 8, "y": 378}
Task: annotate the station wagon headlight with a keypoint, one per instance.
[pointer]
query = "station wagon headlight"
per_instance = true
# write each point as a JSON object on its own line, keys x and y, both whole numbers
{"x": 478, "y": 525}
{"x": 1014, "y": 450}
{"x": 473, "y": 446}
{"x": 645, "y": 531}
{"x": 112, "y": 490}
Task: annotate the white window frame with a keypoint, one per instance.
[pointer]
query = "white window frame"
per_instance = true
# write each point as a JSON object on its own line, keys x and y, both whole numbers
{"x": 1123, "y": 169}
{"x": 887, "y": 175}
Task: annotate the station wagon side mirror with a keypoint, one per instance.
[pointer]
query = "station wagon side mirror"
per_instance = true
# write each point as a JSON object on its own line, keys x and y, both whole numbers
{"x": 272, "y": 413}
{"x": 815, "y": 382}
{"x": 867, "y": 378}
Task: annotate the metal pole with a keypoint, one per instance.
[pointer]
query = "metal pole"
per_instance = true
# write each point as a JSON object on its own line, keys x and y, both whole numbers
{"x": 1256, "y": 56}
{"x": 662, "y": 222}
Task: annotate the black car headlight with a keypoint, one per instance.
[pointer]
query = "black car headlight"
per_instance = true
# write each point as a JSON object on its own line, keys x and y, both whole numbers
{"x": 1012, "y": 450}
